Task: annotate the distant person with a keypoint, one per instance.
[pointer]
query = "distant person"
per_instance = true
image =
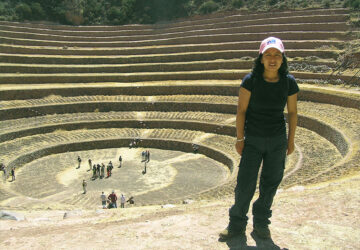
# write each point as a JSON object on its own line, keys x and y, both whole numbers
{"x": 102, "y": 170}
{"x": 13, "y": 174}
{"x": 90, "y": 164}
{"x": 111, "y": 167}
{"x": 103, "y": 200}
{"x": 143, "y": 156}
{"x": 136, "y": 142}
{"x": 98, "y": 170}
{"x": 108, "y": 170}
{"x": 3, "y": 168}
{"x": 120, "y": 161}
{"x": 131, "y": 200}
{"x": 195, "y": 148}
{"x": 262, "y": 138}
{"x": 5, "y": 174}
{"x": 147, "y": 155}
{"x": 84, "y": 184}
{"x": 112, "y": 198}
{"x": 122, "y": 200}
{"x": 94, "y": 171}
{"x": 79, "y": 161}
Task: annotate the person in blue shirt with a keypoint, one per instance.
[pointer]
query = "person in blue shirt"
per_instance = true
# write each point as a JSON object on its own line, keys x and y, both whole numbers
{"x": 262, "y": 138}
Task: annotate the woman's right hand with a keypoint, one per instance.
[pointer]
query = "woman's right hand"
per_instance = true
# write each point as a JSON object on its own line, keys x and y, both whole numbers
{"x": 239, "y": 146}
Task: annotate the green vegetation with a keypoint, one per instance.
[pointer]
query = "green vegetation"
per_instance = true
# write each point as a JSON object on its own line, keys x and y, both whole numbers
{"x": 354, "y": 4}
{"x": 115, "y": 12}
{"x": 355, "y": 19}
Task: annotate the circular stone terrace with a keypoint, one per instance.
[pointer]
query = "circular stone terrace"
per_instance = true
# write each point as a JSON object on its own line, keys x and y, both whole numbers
{"x": 44, "y": 147}
{"x": 58, "y": 101}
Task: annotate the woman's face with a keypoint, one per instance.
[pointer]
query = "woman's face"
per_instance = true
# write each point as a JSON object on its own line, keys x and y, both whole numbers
{"x": 272, "y": 59}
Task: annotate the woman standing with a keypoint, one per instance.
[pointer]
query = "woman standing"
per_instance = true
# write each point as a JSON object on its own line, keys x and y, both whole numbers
{"x": 261, "y": 137}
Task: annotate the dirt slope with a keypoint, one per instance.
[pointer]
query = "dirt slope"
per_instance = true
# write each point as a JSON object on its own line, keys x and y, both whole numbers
{"x": 317, "y": 217}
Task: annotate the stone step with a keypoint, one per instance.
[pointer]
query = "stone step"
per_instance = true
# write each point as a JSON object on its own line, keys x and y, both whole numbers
{"x": 154, "y": 76}
{"x": 86, "y": 104}
{"x": 200, "y": 20}
{"x": 339, "y": 170}
{"x": 333, "y": 19}
{"x": 348, "y": 164}
{"x": 214, "y": 141}
{"x": 204, "y": 121}
{"x": 192, "y": 39}
{"x": 137, "y": 117}
{"x": 312, "y": 164}
{"x": 122, "y": 77}
{"x": 233, "y": 64}
{"x": 311, "y": 27}
{"x": 24, "y": 150}
{"x": 326, "y": 131}
{"x": 144, "y": 91}
{"x": 246, "y": 45}
{"x": 32, "y": 96}
{"x": 302, "y": 174}
{"x": 132, "y": 68}
{"x": 150, "y": 90}
{"x": 158, "y": 58}
{"x": 239, "y": 16}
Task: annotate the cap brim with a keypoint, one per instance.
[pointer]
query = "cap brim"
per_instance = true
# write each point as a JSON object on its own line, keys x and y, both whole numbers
{"x": 272, "y": 46}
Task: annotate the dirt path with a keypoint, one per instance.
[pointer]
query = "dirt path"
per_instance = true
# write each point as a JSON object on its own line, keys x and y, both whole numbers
{"x": 317, "y": 217}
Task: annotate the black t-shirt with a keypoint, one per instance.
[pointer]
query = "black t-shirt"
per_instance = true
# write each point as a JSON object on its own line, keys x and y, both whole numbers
{"x": 265, "y": 113}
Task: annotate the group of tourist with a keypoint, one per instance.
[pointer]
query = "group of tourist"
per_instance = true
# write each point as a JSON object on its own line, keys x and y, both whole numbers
{"x": 5, "y": 174}
{"x": 111, "y": 201}
{"x": 98, "y": 170}
{"x": 134, "y": 143}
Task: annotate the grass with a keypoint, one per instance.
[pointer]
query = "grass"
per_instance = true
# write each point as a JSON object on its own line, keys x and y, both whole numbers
{"x": 354, "y": 19}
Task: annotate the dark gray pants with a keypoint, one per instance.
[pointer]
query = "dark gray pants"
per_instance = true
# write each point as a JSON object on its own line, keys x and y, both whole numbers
{"x": 272, "y": 152}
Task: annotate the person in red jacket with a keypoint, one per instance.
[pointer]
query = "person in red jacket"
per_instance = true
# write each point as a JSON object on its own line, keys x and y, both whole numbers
{"x": 113, "y": 198}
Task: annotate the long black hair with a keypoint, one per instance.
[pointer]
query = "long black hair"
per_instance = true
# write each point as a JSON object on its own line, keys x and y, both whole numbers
{"x": 258, "y": 68}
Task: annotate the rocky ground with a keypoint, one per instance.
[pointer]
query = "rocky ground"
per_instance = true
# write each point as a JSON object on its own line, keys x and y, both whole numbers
{"x": 324, "y": 216}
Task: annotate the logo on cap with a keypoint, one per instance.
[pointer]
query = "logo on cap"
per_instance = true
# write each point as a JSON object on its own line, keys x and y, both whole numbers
{"x": 272, "y": 41}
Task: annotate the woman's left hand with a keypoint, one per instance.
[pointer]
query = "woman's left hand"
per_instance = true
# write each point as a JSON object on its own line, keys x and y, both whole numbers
{"x": 290, "y": 148}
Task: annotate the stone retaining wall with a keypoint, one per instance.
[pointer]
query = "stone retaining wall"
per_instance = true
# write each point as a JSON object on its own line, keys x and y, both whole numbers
{"x": 126, "y": 49}
{"x": 102, "y": 144}
{"x": 199, "y": 20}
{"x": 305, "y": 94}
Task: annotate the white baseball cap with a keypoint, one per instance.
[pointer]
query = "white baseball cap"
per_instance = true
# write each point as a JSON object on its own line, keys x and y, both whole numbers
{"x": 271, "y": 42}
